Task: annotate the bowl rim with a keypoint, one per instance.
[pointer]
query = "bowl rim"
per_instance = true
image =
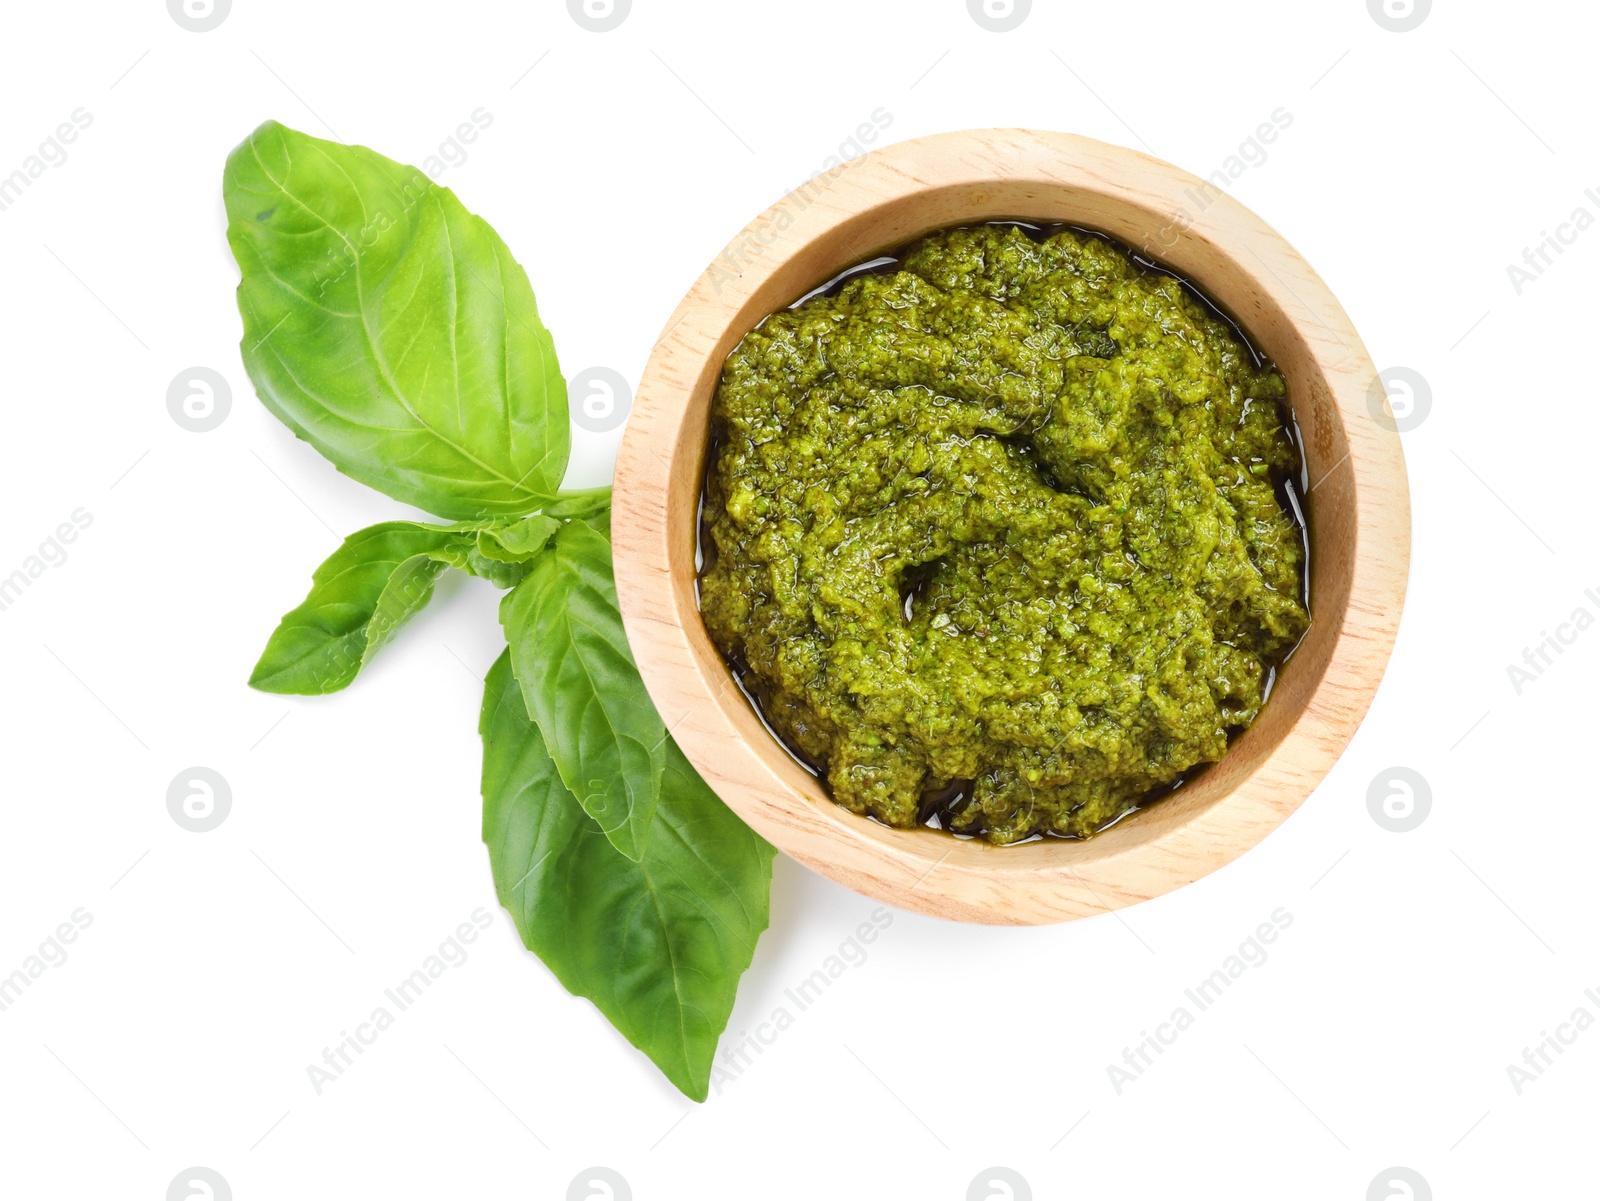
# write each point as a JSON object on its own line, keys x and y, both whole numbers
{"x": 919, "y": 870}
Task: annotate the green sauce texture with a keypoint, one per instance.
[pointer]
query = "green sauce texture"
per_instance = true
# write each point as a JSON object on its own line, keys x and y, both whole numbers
{"x": 995, "y": 536}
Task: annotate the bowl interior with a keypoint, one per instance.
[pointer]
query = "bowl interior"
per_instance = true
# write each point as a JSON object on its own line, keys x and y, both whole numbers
{"x": 1184, "y": 249}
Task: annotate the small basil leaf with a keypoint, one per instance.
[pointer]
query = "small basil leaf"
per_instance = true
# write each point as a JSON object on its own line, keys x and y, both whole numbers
{"x": 499, "y": 572}
{"x": 580, "y": 504}
{"x": 657, "y": 945}
{"x": 599, "y": 522}
{"x": 517, "y": 541}
{"x": 362, "y": 594}
{"x": 582, "y": 688}
{"x": 592, "y": 507}
{"x": 392, "y": 329}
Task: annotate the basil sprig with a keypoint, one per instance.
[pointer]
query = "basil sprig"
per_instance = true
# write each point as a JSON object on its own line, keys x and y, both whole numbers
{"x": 392, "y": 330}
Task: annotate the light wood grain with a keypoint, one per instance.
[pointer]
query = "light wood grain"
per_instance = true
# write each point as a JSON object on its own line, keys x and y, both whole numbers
{"x": 1359, "y": 513}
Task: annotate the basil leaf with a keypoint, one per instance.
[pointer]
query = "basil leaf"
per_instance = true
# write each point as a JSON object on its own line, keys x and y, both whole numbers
{"x": 657, "y": 945}
{"x": 592, "y": 507}
{"x": 374, "y": 583}
{"x": 599, "y": 522}
{"x": 517, "y": 541}
{"x": 391, "y": 328}
{"x": 365, "y": 591}
{"x": 587, "y": 503}
{"x": 500, "y": 572}
{"x": 582, "y": 688}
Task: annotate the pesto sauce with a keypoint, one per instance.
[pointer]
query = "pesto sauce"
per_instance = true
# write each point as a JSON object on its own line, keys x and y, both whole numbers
{"x": 994, "y": 533}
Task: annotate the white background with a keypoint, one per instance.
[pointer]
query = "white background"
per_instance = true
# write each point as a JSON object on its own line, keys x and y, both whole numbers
{"x": 218, "y": 966}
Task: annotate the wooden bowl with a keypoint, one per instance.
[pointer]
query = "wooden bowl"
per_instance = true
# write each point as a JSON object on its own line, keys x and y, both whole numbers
{"x": 1359, "y": 514}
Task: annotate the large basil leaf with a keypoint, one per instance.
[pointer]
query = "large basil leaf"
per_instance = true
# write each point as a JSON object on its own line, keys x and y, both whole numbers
{"x": 582, "y": 688}
{"x": 392, "y": 329}
{"x": 657, "y": 945}
{"x": 373, "y": 584}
